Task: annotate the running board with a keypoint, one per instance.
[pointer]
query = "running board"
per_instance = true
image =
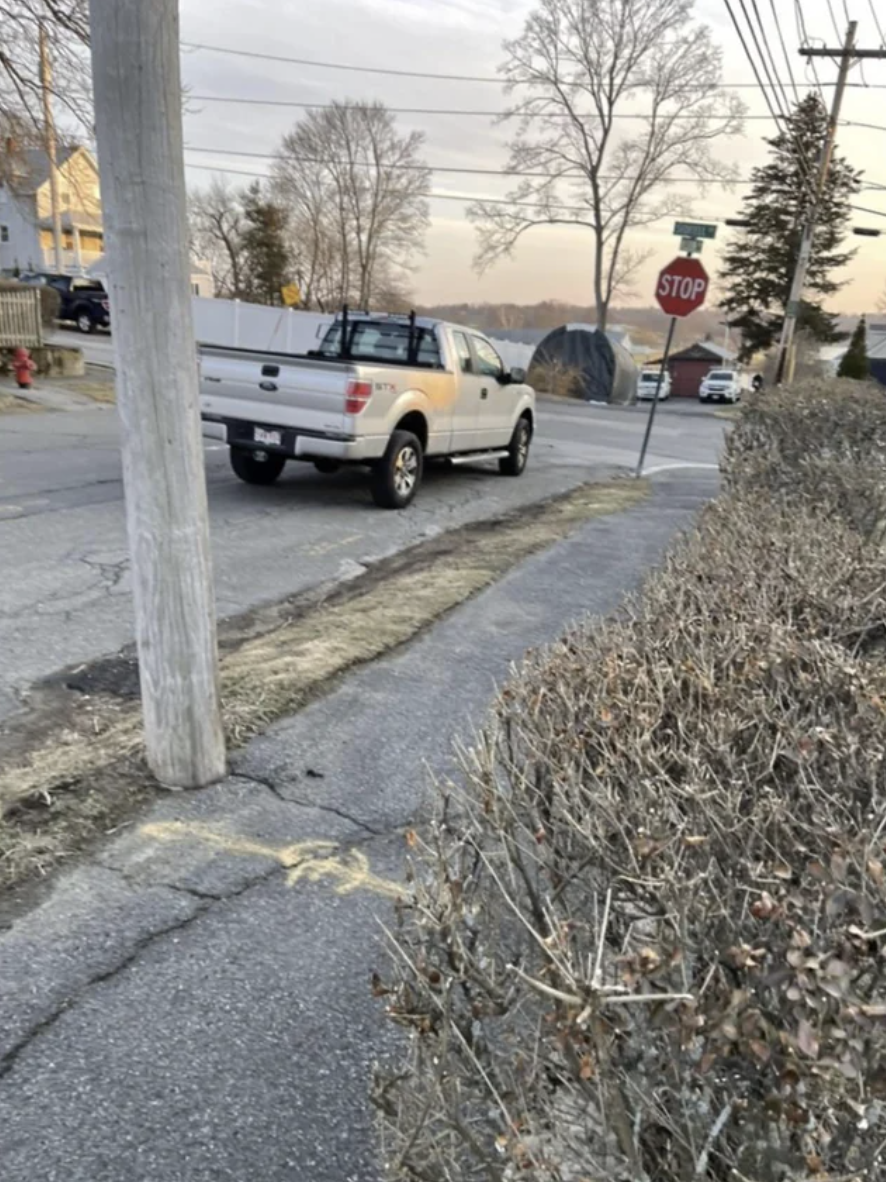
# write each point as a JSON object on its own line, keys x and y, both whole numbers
{"x": 501, "y": 454}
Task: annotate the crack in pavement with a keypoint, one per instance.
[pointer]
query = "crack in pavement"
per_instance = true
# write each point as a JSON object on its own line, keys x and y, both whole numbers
{"x": 342, "y": 814}
{"x": 9, "y": 1059}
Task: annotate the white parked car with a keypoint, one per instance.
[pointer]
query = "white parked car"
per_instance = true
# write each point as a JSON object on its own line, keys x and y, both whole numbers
{"x": 721, "y": 385}
{"x": 381, "y": 391}
{"x": 647, "y": 384}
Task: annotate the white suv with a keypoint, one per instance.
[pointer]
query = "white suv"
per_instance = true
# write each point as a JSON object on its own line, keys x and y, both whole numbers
{"x": 721, "y": 385}
{"x": 647, "y": 384}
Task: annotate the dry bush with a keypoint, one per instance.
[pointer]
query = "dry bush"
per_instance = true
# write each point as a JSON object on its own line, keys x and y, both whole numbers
{"x": 552, "y": 376}
{"x": 647, "y": 935}
{"x": 827, "y": 443}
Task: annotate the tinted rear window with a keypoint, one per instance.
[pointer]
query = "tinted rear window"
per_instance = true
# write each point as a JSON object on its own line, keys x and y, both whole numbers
{"x": 721, "y": 375}
{"x": 378, "y": 341}
{"x": 650, "y": 376}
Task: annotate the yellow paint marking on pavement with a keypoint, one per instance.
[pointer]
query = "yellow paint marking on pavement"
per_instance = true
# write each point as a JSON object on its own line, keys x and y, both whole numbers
{"x": 326, "y": 547}
{"x": 311, "y": 860}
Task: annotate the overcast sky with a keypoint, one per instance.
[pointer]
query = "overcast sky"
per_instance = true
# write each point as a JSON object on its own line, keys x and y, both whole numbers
{"x": 464, "y": 37}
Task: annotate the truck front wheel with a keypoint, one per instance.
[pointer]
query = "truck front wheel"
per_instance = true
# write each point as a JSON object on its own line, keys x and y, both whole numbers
{"x": 518, "y": 449}
{"x": 257, "y": 467}
{"x": 397, "y": 475}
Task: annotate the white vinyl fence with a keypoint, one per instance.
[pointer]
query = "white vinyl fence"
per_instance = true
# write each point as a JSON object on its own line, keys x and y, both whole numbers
{"x": 284, "y": 330}
{"x": 20, "y": 322}
{"x": 254, "y": 326}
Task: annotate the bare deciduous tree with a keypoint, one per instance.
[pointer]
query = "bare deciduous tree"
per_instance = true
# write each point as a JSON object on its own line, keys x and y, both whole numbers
{"x": 579, "y": 68}
{"x": 217, "y": 229}
{"x": 66, "y": 26}
{"x": 356, "y": 194}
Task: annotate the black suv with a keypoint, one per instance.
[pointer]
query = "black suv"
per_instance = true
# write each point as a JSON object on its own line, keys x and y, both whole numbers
{"x": 83, "y": 300}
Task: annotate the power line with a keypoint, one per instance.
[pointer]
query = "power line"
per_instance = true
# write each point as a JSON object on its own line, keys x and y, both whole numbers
{"x": 804, "y": 40}
{"x": 465, "y": 197}
{"x": 801, "y": 154}
{"x": 468, "y": 197}
{"x": 296, "y": 61}
{"x": 688, "y": 180}
{"x": 837, "y": 32}
{"x": 258, "y": 102}
{"x": 784, "y": 50}
{"x": 877, "y": 23}
{"x": 502, "y": 172}
{"x": 781, "y": 95}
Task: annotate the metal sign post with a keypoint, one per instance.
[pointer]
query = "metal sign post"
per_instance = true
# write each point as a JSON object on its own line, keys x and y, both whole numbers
{"x": 681, "y": 288}
{"x": 651, "y": 419}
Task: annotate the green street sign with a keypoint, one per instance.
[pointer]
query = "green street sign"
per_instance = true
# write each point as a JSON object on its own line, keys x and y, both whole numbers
{"x": 695, "y": 230}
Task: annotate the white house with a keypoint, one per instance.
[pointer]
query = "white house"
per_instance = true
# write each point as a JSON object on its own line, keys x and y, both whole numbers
{"x": 26, "y": 240}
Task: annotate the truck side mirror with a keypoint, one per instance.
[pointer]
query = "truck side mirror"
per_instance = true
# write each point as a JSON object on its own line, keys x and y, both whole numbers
{"x": 517, "y": 376}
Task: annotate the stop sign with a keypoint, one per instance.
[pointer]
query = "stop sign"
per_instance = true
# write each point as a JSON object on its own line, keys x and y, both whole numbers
{"x": 682, "y": 286}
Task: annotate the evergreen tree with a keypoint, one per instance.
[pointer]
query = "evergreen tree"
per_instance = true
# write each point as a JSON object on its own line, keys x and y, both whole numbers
{"x": 266, "y": 264}
{"x": 855, "y": 362}
{"x": 759, "y": 265}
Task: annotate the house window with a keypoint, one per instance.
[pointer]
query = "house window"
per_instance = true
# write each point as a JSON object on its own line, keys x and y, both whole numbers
{"x": 4, "y": 233}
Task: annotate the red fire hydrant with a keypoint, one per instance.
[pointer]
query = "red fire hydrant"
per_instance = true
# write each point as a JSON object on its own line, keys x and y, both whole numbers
{"x": 23, "y": 367}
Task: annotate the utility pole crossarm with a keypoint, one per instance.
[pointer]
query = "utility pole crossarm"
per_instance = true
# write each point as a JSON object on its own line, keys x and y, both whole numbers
{"x": 857, "y": 54}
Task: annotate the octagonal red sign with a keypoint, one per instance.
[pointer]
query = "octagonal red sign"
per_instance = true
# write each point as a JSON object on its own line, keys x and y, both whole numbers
{"x": 682, "y": 286}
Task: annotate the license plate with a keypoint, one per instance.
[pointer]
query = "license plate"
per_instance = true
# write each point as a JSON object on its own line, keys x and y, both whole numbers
{"x": 273, "y": 438}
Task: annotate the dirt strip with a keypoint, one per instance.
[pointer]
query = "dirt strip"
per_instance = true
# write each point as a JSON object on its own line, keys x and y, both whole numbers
{"x": 71, "y": 767}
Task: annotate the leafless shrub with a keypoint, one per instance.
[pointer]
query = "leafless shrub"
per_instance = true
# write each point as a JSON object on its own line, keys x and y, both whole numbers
{"x": 648, "y": 928}
{"x": 553, "y": 376}
{"x": 826, "y": 442}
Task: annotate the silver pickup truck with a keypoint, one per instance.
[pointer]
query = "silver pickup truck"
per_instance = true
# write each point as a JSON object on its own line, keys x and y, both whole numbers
{"x": 383, "y": 391}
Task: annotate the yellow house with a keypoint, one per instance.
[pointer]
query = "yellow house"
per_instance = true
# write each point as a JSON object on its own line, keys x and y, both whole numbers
{"x": 26, "y": 239}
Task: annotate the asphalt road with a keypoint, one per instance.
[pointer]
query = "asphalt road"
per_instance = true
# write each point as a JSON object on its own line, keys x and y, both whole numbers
{"x": 65, "y": 595}
{"x": 193, "y": 1004}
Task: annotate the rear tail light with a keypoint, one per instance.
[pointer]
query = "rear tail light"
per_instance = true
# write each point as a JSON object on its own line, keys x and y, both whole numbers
{"x": 357, "y": 396}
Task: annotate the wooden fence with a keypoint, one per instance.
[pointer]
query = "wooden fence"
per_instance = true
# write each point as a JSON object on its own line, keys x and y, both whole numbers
{"x": 20, "y": 320}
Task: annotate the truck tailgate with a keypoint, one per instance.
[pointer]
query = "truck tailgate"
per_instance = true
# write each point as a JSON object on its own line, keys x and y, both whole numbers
{"x": 273, "y": 389}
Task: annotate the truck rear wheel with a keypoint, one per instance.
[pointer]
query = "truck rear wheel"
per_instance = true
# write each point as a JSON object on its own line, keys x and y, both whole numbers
{"x": 257, "y": 467}
{"x": 397, "y": 475}
{"x": 85, "y": 322}
{"x": 518, "y": 449}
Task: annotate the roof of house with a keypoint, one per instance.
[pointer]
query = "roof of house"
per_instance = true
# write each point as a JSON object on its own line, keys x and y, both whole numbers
{"x": 36, "y": 162}
{"x": 704, "y": 351}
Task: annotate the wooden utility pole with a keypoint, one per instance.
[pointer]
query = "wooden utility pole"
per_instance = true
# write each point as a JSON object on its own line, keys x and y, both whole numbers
{"x": 847, "y": 56}
{"x": 135, "y": 60}
{"x": 50, "y": 147}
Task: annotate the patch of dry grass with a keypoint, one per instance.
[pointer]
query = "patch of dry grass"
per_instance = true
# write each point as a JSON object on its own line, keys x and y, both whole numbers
{"x": 76, "y": 782}
{"x": 11, "y": 404}
{"x": 98, "y": 391}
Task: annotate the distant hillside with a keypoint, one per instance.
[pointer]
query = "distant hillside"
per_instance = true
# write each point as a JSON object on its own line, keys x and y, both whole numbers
{"x": 648, "y": 325}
